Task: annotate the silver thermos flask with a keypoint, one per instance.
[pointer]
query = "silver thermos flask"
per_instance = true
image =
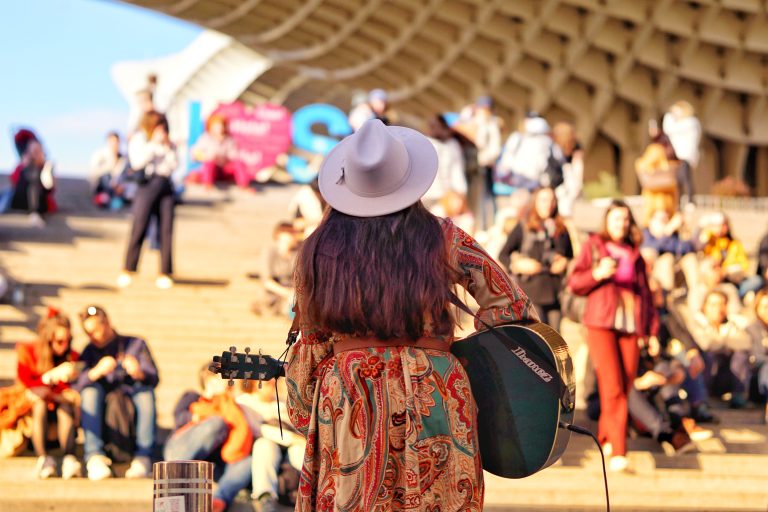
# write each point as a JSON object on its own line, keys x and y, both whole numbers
{"x": 183, "y": 486}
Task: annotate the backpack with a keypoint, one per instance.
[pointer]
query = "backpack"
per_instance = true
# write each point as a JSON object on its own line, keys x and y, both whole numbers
{"x": 553, "y": 174}
{"x": 119, "y": 429}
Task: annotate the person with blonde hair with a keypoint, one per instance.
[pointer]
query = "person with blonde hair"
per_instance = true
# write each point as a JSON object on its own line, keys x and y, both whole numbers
{"x": 657, "y": 172}
{"x": 47, "y": 367}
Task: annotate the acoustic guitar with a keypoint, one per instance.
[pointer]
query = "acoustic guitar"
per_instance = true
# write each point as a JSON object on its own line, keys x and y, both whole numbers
{"x": 522, "y": 380}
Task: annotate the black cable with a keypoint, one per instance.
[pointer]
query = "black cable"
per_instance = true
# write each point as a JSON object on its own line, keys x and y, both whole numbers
{"x": 585, "y": 432}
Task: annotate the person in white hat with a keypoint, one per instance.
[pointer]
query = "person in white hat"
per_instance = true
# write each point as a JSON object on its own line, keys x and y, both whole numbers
{"x": 387, "y": 410}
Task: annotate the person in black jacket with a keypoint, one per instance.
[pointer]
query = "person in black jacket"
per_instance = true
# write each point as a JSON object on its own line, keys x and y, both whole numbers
{"x": 537, "y": 253}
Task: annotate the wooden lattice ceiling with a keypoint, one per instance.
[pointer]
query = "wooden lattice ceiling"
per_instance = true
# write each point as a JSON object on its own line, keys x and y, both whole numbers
{"x": 608, "y": 65}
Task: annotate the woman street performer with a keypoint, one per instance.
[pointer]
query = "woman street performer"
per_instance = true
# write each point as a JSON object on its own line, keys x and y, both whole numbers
{"x": 387, "y": 411}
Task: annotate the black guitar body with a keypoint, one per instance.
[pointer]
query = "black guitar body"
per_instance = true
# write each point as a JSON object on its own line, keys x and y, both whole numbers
{"x": 520, "y": 403}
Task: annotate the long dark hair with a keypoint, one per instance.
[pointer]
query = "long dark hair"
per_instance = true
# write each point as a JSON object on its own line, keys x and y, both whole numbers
{"x": 634, "y": 235}
{"x": 385, "y": 276}
{"x": 534, "y": 222}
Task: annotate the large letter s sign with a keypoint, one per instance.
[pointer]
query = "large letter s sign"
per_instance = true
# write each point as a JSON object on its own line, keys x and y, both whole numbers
{"x": 305, "y": 139}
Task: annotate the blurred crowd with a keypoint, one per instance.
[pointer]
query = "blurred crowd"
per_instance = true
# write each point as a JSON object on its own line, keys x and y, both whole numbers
{"x": 675, "y": 312}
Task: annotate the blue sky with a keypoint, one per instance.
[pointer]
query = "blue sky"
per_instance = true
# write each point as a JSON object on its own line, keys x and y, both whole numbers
{"x": 55, "y": 60}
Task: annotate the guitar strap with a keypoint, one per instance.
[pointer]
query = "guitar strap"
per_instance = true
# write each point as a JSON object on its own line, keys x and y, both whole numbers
{"x": 558, "y": 386}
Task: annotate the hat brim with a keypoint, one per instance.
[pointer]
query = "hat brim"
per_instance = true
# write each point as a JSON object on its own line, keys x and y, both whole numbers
{"x": 423, "y": 171}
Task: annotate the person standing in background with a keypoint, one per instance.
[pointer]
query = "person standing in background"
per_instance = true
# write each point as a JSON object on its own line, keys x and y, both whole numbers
{"x": 375, "y": 107}
{"x": 478, "y": 123}
{"x": 153, "y": 156}
{"x": 537, "y": 252}
{"x": 447, "y": 197}
{"x": 610, "y": 272}
{"x": 573, "y": 168}
{"x": 684, "y": 132}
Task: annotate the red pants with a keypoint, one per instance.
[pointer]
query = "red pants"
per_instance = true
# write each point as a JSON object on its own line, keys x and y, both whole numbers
{"x": 615, "y": 357}
{"x": 210, "y": 172}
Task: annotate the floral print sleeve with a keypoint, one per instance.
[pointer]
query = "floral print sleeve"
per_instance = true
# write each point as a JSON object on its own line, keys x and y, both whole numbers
{"x": 306, "y": 356}
{"x": 500, "y": 299}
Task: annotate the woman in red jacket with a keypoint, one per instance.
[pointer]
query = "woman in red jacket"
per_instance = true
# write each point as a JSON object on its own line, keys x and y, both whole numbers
{"x": 46, "y": 367}
{"x": 619, "y": 312}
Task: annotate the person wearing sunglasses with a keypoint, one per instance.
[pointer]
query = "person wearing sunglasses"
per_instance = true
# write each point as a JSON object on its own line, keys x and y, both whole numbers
{"x": 115, "y": 363}
{"x": 46, "y": 368}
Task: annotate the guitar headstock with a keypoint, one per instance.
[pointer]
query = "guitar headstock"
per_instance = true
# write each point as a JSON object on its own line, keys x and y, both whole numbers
{"x": 234, "y": 365}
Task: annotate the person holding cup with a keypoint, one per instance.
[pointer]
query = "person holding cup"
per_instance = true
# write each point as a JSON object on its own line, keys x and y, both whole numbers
{"x": 619, "y": 312}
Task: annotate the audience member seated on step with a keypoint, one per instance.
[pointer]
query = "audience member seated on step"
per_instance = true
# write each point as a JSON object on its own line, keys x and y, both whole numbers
{"x": 275, "y": 293}
{"x": 662, "y": 247}
{"x": 307, "y": 207}
{"x": 32, "y": 179}
{"x": 537, "y": 253}
{"x": 725, "y": 345}
{"x": 46, "y": 367}
{"x": 758, "y": 333}
{"x": 660, "y": 379}
{"x": 277, "y": 457}
{"x": 110, "y": 184}
{"x": 217, "y": 151}
{"x": 646, "y": 419}
{"x": 211, "y": 426}
{"x": 710, "y": 277}
{"x": 754, "y": 283}
{"x": 115, "y": 364}
{"x": 717, "y": 242}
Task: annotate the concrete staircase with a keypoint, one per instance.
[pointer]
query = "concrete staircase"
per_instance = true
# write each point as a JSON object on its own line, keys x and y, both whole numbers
{"x": 219, "y": 238}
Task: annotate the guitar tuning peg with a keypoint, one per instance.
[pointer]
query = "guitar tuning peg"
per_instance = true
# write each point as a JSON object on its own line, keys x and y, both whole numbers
{"x": 233, "y": 350}
{"x": 246, "y": 384}
{"x": 247, "y": 350}
{"x": 260, "y": 381}
{"x": 231, "y": 383}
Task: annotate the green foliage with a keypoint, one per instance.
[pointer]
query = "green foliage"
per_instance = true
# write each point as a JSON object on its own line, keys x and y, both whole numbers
{"x": 607, "y": 185}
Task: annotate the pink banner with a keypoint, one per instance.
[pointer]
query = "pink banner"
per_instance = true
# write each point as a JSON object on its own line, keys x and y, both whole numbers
{"x": 261, "y": 133}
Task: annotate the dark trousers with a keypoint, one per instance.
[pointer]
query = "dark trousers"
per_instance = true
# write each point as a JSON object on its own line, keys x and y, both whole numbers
{"x": 30, "y": 195}
{"x": 550, "y": 315}
{"x": 615, "y": 357}
{"x": 153, "y": 198}
{"x": 685, "y": 182}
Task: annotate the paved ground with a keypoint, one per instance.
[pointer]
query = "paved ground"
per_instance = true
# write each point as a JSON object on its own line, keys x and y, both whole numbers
{"x": 75, "y": 260}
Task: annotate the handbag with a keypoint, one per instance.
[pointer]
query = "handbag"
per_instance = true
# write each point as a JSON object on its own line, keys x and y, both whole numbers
{"x": 574, "y": 306}
{"x": 660, "y": 179}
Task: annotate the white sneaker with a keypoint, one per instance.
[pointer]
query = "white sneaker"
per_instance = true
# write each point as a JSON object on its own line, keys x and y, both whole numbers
{"x": 140, "y": 468}
{"x": 124, "y": 280}
{"x": 71, "y": 467}
{"x": 45, "y": 467}
{"x": 98, "y": 467}
{"x": 618, "y": 463}
{"x": 164, "y": 282}
{"x": 36, "y": 220}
